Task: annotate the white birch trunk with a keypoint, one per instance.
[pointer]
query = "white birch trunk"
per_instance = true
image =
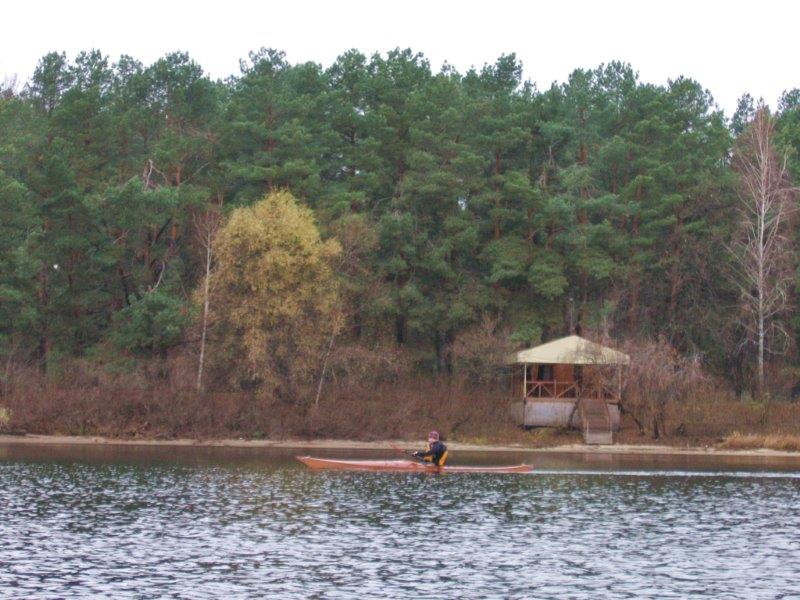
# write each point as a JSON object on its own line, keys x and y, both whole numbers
{"x": 206, "y": 302}
{"x": 206, "y": 228}
{"x": 763, "y": 249}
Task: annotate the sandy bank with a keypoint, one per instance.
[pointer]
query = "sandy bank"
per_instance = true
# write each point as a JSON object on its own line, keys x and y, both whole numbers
{"x": 631, "y": 449}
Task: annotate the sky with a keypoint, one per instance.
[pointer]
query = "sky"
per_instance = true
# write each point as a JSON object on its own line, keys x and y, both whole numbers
{"x": 729, "y": 47}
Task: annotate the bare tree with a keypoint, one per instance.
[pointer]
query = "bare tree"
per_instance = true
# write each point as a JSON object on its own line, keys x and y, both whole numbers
{"x": 337, "y": 323}
{"x": 762, "y": 249}
{"x": 8, "y": 87}
{"x": 206, "y": 226}
{"x": 657, "y": 378}
{"x": 357, "y": 240}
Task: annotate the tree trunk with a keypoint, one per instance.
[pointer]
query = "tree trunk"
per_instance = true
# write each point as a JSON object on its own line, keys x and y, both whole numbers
{"x": 206, "y": 229}
{"x": 675, "y": 270}
{"x": 206, "y": 302}
{"x": 43, "y": 349}
{"x": 400, "y": 330}
{"x": 760, "y": 374}
{"x": 324, "y": 367}
{"x": 497, "y": 199}
{"x": 443, "y": 343}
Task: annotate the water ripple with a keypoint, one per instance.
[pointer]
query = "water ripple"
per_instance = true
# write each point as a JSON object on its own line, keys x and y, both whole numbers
{"x": 75, "y": 530}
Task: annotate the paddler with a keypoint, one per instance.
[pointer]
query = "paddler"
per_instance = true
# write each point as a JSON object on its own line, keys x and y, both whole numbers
{"x": 435, "y": 453}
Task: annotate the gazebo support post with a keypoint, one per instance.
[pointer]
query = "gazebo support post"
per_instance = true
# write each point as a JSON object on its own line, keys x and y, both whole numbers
{"x": 524, "y": 382}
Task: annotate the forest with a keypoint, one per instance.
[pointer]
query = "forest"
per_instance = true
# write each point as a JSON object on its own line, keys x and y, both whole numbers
{"x": 297, "y": 231}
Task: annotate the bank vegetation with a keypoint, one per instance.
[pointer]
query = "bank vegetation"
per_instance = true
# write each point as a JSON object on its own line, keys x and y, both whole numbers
{"x": 353, "y": 250}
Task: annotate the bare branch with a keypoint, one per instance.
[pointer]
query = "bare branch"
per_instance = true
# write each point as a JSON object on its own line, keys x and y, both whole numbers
{"x": 763, "y": 248}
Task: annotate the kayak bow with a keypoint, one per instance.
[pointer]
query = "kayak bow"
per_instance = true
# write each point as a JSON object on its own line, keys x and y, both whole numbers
{"x": 402, "y": 466}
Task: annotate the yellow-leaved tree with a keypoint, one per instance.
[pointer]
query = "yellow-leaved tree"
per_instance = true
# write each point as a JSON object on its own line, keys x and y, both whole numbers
{"x": 275, "y": 298}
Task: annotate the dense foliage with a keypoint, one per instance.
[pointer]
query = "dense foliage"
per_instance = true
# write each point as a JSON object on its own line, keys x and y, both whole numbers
{"x": 274, "y": 295}
{"x": 603, "y": 203}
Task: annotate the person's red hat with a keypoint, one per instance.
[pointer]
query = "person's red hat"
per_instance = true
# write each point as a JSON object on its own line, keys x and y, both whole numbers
{"x": 433, "y": 436}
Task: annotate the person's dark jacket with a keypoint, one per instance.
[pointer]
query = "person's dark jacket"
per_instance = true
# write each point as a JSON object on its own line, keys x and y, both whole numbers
{"x": 436, "y": 453}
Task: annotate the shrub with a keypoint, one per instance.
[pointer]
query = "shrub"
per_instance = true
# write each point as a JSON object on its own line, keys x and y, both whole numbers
{"x": 481, "y": 353}
{"x": 657, "y": 377}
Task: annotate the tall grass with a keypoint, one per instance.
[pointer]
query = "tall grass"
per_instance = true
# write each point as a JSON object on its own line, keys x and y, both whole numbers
{"x": 405, "y": 407}
{"x": 400, "y": 404}
{"x": 738, "y": 441}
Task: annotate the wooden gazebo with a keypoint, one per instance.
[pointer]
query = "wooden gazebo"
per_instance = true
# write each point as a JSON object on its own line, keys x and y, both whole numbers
{"x": 569, "y": 382}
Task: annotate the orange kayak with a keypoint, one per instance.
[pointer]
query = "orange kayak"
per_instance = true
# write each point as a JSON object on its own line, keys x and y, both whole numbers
{"x": 402, "y": 465}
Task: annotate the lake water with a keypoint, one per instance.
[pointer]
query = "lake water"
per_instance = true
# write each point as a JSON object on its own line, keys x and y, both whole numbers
{"x": 143, "y": 522}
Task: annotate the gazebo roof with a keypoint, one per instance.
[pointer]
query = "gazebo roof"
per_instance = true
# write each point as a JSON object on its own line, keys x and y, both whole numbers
{"x": 571, "y": 350}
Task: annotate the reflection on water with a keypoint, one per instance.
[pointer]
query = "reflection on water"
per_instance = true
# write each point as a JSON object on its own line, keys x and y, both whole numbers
{"x": 191, "y": 523}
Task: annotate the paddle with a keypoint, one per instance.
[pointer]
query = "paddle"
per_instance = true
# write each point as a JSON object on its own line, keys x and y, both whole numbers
{"x": 417, "y": 458}
{"x": 406, "y": 452}
{"x": 399, "y": 449}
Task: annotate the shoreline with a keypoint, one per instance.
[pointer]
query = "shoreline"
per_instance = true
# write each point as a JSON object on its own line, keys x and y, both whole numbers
{"x": 338, "y": 444}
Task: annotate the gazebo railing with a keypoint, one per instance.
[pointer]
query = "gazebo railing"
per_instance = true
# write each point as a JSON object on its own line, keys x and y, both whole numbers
{"x": 551, "y": 389}
{"x": 567, "y": 389}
